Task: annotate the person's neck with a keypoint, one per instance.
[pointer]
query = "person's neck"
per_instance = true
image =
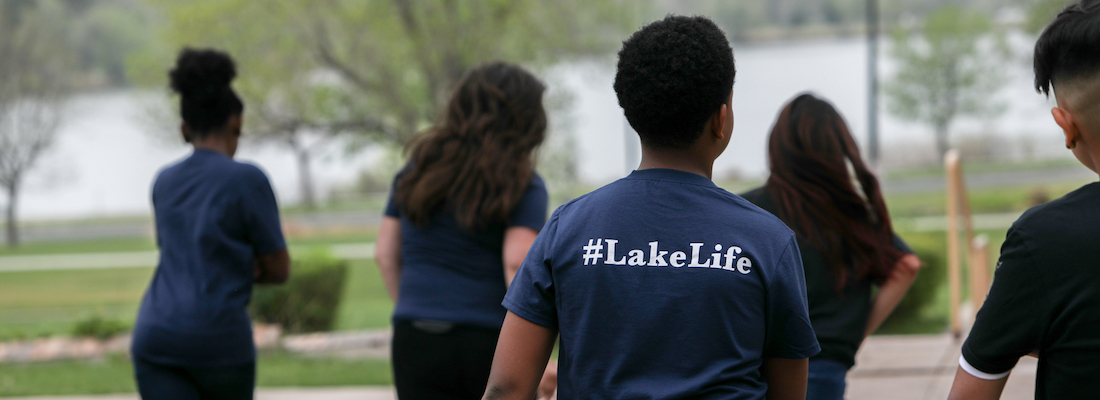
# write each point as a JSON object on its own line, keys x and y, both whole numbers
{"x": 215, "y": 143}
{"x": 687, "y": 160}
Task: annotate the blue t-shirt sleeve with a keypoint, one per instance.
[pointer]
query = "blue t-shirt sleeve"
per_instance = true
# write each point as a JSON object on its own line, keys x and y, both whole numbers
{"x": 788, "y": 329}
{"x": 261, "y": 214}
{"x": 531, "y": 211}
{"x": 391, "y": 206}
{"x": 532, "y": 295}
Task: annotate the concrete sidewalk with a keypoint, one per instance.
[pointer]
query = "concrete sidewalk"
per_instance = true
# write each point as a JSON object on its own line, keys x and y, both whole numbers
{"x": 921, "y": 367}
{"x": 345, "y": 393}
{"x": 904, "y": 367}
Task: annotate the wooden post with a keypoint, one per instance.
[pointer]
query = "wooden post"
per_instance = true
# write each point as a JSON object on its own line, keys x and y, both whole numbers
{"x": 953, "y": 172}
{"x": 979, "y": 271}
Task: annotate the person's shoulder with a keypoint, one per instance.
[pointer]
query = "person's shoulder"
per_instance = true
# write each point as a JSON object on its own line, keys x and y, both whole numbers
{"x": 1060, "y": 214}
{"x": 247, "y": 170}
{"x": 762, "y": 219}
{"x": 756, "y": 195}
{"x": 536, "y": 183}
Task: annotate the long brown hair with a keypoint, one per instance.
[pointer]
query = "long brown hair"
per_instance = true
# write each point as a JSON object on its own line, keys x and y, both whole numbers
{"x": 816, "y": 196}
{"x": 477, "y": 161}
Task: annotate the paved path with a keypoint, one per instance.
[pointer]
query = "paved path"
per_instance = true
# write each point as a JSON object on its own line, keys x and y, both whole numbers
{"x": 346, "y": 393}
{"x": 143, "y": 227}
{"x": 921, "y": 367}
{"x": 138, "y": 259}
{"x": 910, "y": 367}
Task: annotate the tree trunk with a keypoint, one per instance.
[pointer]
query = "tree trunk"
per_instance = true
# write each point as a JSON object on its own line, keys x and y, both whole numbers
{"x": 13, "y": 230}
{"x": 941, "y": 139}
{"x": 305, "y": 178}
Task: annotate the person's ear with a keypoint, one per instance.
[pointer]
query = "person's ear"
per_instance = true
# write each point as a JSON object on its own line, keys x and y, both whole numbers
{"x": 718, "y": 122}
{"x": 235, "y": 124}
{"x": 1064, "y": 118}
{"x": 184, "y": 132}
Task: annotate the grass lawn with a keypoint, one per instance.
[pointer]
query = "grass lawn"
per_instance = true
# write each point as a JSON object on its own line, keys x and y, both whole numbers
{"x": 115, "y": 375}
{"x": 43, "y": 303}
{"x": 81, "y": 246}
{"x": 979, "y": 167}
{"x": 988, "y": 200}
{"x": 366, "y": 234}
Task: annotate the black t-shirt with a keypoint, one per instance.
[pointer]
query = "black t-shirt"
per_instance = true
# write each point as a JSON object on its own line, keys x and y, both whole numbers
{"x": 1045, "y": 296}
{"x": 839, "y": 319}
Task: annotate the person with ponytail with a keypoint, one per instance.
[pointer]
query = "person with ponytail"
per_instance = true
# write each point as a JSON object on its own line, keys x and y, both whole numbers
{"x": 458, "y": 224}
{"x": 820, "y": 187}
{"x": 218, "y": 230}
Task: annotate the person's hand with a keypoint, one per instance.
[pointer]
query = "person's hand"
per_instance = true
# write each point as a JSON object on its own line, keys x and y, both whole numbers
{"x": 549, "y": 383}
{"x": 907, "y": 267}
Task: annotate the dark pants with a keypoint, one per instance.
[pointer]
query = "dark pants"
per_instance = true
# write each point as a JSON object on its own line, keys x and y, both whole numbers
{"x": 827, "y": 380}
{"x": 441, "y": 361}
{"x": 164, "y": 382}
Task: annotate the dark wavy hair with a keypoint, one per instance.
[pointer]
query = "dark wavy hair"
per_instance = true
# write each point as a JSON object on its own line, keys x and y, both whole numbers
{"x": 1069, "y": 48}
{"x": 202, "y": 77}
{"x": 815, "y": 195}
{"x": 477, "y": 161}
{"x": 672, "y": 76}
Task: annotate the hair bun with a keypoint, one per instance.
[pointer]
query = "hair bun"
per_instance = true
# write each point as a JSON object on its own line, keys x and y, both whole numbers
{"x": 201, "y": 71}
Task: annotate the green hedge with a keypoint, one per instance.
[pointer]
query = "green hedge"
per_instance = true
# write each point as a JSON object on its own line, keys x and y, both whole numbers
{"x": 308, "y": 301}
{"x": 913, "y": 314}
{"x": 98, "y": 327}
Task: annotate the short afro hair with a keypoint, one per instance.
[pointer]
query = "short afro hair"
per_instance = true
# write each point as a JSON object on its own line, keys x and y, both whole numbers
{"x": 672, "y": 76}
{"x": 1069, "y": 48}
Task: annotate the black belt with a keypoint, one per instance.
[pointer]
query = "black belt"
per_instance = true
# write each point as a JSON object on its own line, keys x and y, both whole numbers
{"x": 432, "y": 326}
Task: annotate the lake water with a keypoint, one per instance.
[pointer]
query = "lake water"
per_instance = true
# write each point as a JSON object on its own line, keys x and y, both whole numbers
{"x": 105, "y": 159}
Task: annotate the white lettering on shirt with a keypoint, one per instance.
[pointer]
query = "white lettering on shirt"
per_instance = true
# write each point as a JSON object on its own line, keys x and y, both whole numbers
{"x": 730, "y": 260}
{"x": 610, "y": 260}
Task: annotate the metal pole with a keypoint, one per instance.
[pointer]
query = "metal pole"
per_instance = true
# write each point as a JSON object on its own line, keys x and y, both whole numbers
{"x": 872, "y": 82}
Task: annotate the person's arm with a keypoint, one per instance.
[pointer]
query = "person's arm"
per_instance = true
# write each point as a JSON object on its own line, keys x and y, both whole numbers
{"x": 517, "y": 240}
{"x": 892, "y": 291}
{"x": 786, "y": 378}
{"x": 970, "y": 387}
{"x": 273, "y": 267}
{"x": 549, "y": 384}
{"x": 1010, "y": 324}
{"x": 520, "y": 360}
{"x": 387, "y": 253}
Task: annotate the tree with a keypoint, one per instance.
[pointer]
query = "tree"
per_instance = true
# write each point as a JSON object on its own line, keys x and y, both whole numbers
{"x": 949, "y": 69}
{"x": 34, "y": 66}
{"x": 377, "y": 71}
{"x": 1042, "y": 12}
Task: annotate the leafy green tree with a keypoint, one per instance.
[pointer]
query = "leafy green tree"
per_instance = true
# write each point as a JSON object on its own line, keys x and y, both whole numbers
{"x": 949, "y": 68}
{"x": 1042, "y": 12}
{"x": 35, "y": 68}
{"x": 374, "y": 71}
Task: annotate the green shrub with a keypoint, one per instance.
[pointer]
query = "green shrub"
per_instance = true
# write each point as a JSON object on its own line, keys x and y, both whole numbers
{"x": 98, "y": 327}
{"x": 911, "y": 315}
{"x": 308, "y": 301}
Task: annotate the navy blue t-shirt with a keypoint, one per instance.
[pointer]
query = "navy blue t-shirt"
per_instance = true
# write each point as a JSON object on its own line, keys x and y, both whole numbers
{"x": 451, "y": 274}
{"x": 213, "y": 217}
{"x": 664, "y": 286}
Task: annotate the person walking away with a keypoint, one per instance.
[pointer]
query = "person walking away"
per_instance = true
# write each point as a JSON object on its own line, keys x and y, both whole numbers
{"x": 661, "y": 284}
{"x": 459, "y": 221}
{"x": 218, "y": 231}
{"x": 1045, "y": 298}
{"x": 820, "y": 187}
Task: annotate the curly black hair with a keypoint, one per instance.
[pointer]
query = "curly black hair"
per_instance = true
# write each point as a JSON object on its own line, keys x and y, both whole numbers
{"x": 1069, "y": 48}
{"x": 202, "y": 77}
{"x": 672, "y": 76}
